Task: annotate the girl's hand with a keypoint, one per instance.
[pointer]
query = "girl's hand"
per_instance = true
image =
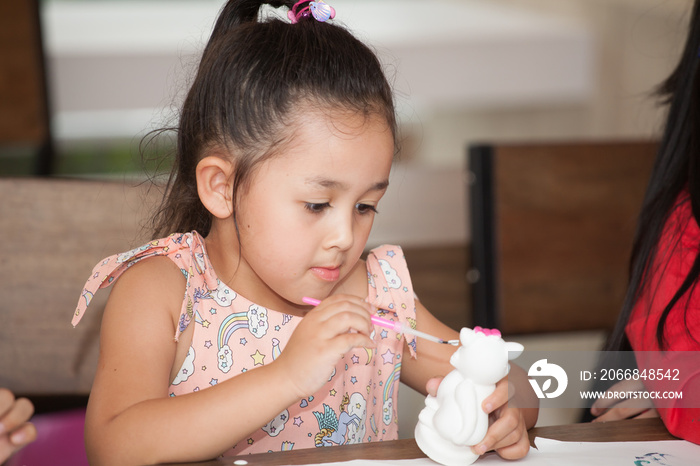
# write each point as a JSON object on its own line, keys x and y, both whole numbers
{"x": 612, "y": 409}
{"x": 15, "y": 431}
{"x": 507, "y": 433}
{"x": 324, "y": 335}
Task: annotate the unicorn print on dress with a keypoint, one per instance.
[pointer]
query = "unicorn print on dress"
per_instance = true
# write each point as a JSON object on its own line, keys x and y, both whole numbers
{"x": 454, "y": 421}
{"x": 357, "y": 406}
{"x": 254, "y": 320}
{"x": 332, "y": 429}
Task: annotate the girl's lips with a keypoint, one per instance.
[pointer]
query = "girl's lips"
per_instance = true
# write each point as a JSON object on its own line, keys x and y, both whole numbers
{"x": 326, "y": 273}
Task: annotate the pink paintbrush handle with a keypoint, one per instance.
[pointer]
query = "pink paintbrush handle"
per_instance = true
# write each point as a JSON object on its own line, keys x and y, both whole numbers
{"x": 376, "y": 320}
{"x": 395, "y": 326}
{"x": 398, "y": 327}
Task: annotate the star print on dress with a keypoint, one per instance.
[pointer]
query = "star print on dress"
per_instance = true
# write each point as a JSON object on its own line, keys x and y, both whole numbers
{"x": 388, "y": 357}
{"x": 258, "y": 358}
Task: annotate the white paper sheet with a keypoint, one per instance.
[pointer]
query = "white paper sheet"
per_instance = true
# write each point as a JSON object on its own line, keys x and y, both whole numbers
{"x": 657, "y": 453}
{"x": 556, "y": 453}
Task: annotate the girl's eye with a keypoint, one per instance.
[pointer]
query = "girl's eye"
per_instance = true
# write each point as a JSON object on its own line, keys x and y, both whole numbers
{"x": 316, "y": 208}
{"x": 365, "y": 209}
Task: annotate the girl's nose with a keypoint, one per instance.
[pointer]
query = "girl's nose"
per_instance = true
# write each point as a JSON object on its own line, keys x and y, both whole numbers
{"x": 340, "y": 233}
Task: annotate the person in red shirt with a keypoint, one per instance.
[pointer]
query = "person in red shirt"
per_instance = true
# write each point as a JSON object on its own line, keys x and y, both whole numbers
{"x": 660, "y": 317}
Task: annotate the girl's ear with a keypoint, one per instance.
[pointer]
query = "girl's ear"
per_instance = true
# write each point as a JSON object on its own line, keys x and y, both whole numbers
{"x": 215, "y": 185}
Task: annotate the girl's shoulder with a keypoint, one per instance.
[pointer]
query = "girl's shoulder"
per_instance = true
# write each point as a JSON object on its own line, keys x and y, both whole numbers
{"x": 151, "y": 284}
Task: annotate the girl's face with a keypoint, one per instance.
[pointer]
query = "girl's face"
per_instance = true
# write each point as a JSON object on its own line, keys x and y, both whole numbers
{"x": 305, "y": 218}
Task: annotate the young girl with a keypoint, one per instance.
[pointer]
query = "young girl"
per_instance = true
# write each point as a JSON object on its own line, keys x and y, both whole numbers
{"x": 285, "y": 143}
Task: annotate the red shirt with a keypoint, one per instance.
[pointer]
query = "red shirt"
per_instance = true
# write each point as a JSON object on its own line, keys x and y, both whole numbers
{"x": 678, "y": 248}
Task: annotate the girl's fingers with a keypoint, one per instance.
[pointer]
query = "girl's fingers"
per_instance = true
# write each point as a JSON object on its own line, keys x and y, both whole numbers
{"x": 24, "y": 434}
{"x": 648, "y": 413}
{"x": 515, "y": 450}
{"x": 500, "y": 433}
{"x": 625, "y": 409}
{"x": 601, "y": 404}
{"x": 18, "y": 412}
{"x": 432, "y": 385}
{"x": 499, "y": 397}
{"x": 342, "y": 323}
{"x": 345, "y": 342}
{"x": 340, "y": 316}
{"x": 7, "y": 399}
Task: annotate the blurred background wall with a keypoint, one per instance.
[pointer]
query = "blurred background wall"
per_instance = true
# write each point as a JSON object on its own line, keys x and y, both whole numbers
{"x": 465, "y": 71}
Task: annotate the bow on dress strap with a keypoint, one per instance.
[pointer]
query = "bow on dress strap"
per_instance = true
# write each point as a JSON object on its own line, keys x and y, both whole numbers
{"x": 191, "y": 245}
{"x": 390, "y": 289}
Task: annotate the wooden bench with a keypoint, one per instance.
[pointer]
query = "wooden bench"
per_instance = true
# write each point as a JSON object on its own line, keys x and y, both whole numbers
{"x": 53, "y": 231}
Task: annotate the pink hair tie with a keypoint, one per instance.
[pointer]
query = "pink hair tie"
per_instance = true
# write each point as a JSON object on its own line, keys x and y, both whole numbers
{"x": 320, "y": 10}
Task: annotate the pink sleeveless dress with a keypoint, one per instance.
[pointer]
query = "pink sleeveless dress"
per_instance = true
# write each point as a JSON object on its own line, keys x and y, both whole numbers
{"x": 233, "y": 335}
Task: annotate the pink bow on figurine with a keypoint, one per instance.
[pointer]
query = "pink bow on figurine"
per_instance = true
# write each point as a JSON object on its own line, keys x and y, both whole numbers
{"x": 488, "y": 331}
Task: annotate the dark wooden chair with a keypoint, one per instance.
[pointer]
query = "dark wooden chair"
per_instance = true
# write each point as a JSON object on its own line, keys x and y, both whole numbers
{"x": 24, "y": 104}
{"x": 552, "y": 229}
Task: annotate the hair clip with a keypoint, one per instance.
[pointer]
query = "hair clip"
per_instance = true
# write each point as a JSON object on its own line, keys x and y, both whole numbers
{"x": 320, "y": 10}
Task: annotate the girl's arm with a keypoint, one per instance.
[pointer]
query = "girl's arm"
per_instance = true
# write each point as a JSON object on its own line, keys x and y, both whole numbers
{"x": 507, "y": 433}
{"x": 132, "y": 420}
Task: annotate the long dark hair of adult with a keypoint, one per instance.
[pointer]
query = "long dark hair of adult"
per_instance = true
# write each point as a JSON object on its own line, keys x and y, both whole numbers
{"x": 254, "y": 77}
{"x": 676, "y": 168}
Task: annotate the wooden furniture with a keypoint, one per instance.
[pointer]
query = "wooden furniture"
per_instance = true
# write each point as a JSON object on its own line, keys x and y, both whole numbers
{"x": 24, "y": 103}
{"x": 437, "y": 275}
{"x": 614, "y": 431}
{"x": 552, "y": 229}
{"x": 53, "y": 232}
{"x": 630, "y": 430}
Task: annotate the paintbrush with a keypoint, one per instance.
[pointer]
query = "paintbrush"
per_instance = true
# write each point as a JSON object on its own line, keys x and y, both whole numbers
{"x": 398, "y": 327}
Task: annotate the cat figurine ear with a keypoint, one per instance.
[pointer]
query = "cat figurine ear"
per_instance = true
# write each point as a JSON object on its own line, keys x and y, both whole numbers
{"x": 514, "y": 349}
{"x": 453, "y": 421}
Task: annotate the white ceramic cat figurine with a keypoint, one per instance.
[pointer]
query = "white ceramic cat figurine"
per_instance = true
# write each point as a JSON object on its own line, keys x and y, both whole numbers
{"x": 453, "y": 421}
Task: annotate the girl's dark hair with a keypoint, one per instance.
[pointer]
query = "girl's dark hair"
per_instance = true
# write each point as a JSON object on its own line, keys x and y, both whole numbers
{"x": 677, "y": 167}
{"x": 254, "y": 73}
